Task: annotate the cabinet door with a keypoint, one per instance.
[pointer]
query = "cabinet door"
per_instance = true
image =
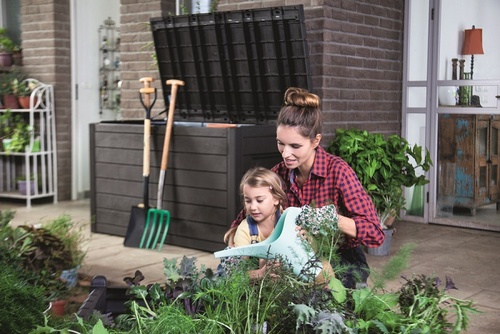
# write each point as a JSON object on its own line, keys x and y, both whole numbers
{"x": 482, "y": 157}
{"x": 494, "y": 158}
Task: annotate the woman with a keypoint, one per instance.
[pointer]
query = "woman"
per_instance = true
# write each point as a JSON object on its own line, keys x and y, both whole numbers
{"x": 314, "y": 177}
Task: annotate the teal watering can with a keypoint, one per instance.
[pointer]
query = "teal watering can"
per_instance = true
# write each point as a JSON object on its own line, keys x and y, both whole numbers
{"x": 283, "y": 243}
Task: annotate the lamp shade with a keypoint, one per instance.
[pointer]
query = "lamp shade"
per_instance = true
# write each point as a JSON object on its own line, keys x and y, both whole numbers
{"x": 473, "y": 42}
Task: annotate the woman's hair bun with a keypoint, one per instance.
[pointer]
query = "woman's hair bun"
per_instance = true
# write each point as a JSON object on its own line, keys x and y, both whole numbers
{"x": 300, "y": 97}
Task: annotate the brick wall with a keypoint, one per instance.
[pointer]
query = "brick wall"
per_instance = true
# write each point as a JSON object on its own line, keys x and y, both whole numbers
{"x": 136, "y": 53}
{"x": 45, "y": 29}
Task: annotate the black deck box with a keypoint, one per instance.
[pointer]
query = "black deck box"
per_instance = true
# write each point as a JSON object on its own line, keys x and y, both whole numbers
{"x": 236, "y": 67}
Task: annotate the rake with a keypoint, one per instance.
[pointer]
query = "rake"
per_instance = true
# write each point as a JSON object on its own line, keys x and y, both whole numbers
{"x": 158, "y": 220}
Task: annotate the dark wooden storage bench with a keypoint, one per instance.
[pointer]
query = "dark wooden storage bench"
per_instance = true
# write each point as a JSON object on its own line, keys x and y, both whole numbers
{"x": 104, "y": 299}
{"x": 201, "y": 188}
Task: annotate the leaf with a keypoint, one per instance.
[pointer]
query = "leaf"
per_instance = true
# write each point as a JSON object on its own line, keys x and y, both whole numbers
{"x": 99, "y": 328}
{"x": 304, "y": 314}
{"x": 170, "y": 270}
{"x": 338, "y": 290}
{"x": 187, "y": 267}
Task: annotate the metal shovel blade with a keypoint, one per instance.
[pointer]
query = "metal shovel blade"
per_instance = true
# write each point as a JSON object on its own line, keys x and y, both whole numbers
{"x": 135, "y": 227}
{"x": 157, "y": 224}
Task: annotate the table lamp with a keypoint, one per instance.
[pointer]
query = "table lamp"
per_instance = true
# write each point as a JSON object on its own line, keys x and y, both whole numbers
{"x": 473, "y": 45}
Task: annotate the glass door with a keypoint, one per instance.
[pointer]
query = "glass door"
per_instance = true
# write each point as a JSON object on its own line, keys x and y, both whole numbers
{"x": 416, "y": 95}
{"x": 452, "y": 104}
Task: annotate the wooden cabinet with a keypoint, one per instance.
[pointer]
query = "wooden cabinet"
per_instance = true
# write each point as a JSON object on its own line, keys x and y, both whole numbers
{"x": 468, "y": 161}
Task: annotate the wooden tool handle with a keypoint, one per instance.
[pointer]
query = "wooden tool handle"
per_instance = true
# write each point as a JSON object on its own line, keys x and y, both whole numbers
{"x": 170, "y": 120}
{"x": 147, "y": 90}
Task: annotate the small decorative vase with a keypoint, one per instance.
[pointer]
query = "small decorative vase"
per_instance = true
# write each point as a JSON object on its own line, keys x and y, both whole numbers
{"x": 465, "y": 92}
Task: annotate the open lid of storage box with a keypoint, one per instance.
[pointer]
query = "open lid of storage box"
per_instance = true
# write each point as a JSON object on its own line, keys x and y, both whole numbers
{"x": 236, "y": 65}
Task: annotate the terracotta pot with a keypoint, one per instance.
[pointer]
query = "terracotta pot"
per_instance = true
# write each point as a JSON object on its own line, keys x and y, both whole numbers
{"x": 17, "y": 58}
{"x": 58, "y": 307}
{"x": 10, "y": 102}
{"x": 24, "y": 101}
{"x": 5, "y": 59}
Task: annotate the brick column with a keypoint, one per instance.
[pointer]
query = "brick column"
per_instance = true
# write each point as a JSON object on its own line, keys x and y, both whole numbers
{"x": 46, "y": 32}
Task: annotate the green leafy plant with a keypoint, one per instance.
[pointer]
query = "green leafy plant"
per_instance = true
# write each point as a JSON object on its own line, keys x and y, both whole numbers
{"x": 14, "y": 127}
{"x": 22, "y": 303}
{"x": 6, "y": 43}
{"x": 10, "y": 80}
{"x": 321, "y": 225}
{"x": 72, "y": 236}
{"x": 384, "y": 165}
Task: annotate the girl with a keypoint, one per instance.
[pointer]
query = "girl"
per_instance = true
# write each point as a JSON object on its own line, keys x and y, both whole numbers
{"x": 264, "y": 198}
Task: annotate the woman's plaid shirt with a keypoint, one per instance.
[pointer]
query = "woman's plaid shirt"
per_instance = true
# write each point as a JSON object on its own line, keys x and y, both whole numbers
{"x": 332, "y": 180}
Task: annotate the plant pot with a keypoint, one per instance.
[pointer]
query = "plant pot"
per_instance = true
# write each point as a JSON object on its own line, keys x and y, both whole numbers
{"x": 6, "y": 144}
{"x": 17, "y": 58}
{"x": 22, "y": 185}
{"x": 70, "y": 276}
{"x": 24, "y": 101}
{"x": 385, "y": 248}
{"x": 5, "y": 59}
{"x": 36, "y": 146}
{"x": 57, "y": 307}
{"x": 10, "y": 102}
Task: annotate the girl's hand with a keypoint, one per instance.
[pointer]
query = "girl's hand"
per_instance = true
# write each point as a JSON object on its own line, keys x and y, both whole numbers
{"x": 301, "y": 232}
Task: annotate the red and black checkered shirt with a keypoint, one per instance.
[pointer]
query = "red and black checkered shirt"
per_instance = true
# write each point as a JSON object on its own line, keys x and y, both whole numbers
{"x": 333, "y": 181}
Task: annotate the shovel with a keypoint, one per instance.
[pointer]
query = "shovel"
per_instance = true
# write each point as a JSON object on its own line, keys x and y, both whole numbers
{"x": 138, "y": 213}
{"x": 158, "y": 220}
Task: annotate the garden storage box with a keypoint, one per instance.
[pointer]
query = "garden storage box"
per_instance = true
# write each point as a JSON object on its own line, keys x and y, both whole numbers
{"x": 236, "y": 67}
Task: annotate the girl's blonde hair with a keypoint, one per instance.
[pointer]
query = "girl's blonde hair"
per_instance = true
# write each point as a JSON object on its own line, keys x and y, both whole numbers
{"x": 301, "y": 109}
{"x": 260, "y": 177}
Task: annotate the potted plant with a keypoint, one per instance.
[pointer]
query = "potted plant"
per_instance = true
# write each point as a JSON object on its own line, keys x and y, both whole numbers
{"x": 17, "y": 55}
{"x": 22, "y": 185}
{"x": 73, "y": 239}
{"x": 384, "y": 165}
{"x": 9, "y": 86}
{"x": 23, "y": 90}
{"x": 15, "y": 132}
{"x": 6, "y": 48}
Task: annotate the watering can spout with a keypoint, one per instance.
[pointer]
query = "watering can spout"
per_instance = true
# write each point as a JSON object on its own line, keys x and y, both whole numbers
{"x": 282, "y": 243}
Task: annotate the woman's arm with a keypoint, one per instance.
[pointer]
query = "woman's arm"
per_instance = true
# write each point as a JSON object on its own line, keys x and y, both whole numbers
{"x": 348, "y": 226}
